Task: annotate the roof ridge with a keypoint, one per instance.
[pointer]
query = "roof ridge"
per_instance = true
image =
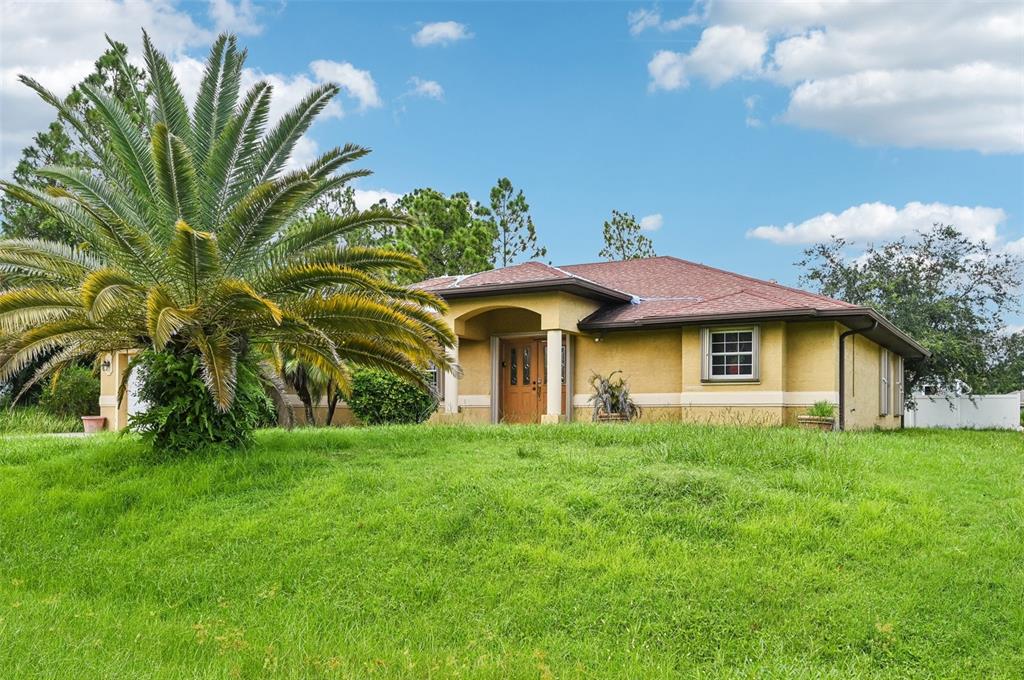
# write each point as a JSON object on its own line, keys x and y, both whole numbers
{"x": 591, "y": 281}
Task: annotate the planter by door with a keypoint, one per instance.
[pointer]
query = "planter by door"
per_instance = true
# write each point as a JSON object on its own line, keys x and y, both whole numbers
{"x": 92, "y": 424}
{"x": 816, "y": 423}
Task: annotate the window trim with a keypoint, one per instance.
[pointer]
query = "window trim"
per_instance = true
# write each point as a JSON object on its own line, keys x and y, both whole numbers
{"x": 755, "y": 360}
{"x": 884, "y": 383}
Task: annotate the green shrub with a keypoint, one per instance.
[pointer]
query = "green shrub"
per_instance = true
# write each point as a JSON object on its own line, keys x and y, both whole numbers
{"x": 382, "y": 398}
{"x": 822, "y": 409}
{"x": 73, "y": 393}
{"x": 181, "y": 414}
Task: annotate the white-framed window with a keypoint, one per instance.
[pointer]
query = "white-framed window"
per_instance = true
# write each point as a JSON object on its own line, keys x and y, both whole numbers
{"x": 900, "y": 395}
{"x": 884, "y": 382}
{"x": 730, "y": 354}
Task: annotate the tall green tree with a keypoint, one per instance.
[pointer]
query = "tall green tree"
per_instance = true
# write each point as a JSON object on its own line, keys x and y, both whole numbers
{"x": 517, "y": 236}
{"x": 192, "y": 241}
{"x": 948, "y": 292}
{"x": 623, "y": 239}
{"x": 63, "y": 144}
{"x": 449, "y": 234}
{"x": 1006, "y": 367}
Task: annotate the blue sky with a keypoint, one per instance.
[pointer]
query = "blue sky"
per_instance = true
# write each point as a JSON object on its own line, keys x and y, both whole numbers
{"x": 718, "y": 117}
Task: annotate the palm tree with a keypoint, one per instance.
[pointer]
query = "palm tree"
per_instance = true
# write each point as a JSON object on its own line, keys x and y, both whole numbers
{"x": 190, "y": 237}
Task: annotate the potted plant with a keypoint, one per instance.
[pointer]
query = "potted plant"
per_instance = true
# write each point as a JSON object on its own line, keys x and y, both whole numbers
{"x": 611, "y": 399}
{"x": 93, "y": 424}
{"x": 820, "y": 416}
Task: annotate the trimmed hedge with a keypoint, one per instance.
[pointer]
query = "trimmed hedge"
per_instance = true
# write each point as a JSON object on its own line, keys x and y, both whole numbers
{"x": 382, "y": 398}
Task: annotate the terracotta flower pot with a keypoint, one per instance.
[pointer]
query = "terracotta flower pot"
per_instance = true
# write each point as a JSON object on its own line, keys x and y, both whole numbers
{"x": 93, "y": 424}
{"x": 816, "y": 423}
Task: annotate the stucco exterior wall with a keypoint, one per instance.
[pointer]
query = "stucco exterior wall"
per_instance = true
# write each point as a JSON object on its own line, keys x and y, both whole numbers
{"x": 798, "y": 366}
{"x": 116, "y": 412}
{"x": 863, "y": 386}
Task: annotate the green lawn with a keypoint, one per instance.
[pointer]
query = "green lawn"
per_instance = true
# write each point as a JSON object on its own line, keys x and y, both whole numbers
{"x": 575, "y": 551}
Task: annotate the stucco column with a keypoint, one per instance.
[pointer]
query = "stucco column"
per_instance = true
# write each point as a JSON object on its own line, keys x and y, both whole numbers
{"x": 451, "y": 381}
{"x": 554, "y": 386}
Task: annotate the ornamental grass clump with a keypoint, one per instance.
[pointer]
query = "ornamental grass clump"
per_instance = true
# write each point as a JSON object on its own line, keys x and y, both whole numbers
{"x": 611, "y": 398}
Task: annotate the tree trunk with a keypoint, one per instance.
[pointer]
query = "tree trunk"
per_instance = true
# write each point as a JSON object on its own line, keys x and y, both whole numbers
{"x": 307, "y": 405}
{"x": 332, "y": 402}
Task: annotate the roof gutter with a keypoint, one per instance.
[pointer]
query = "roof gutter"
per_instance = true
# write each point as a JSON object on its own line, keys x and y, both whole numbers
{"x": 842, "y": 369}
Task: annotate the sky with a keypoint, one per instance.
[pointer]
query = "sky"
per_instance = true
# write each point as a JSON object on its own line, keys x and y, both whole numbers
{"x": 739, "y": 133}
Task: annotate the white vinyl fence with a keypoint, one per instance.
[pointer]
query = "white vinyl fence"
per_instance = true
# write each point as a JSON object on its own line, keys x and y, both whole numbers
{"x": 1000, "y": 411}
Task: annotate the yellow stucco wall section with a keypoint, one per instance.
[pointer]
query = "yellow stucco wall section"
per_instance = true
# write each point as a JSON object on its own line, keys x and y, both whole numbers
{"x": 798, "y": 366}
{"x": 863, "y": 386}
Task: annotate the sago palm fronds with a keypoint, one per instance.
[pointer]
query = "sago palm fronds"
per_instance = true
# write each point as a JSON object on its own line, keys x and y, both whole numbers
{"x": 191, "y": 235}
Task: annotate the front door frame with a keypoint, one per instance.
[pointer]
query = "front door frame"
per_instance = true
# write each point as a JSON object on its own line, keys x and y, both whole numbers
{"x": 496, "y": 391}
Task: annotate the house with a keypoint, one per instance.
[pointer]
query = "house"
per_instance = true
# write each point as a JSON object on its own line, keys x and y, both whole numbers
{"x": 694, "y": 343}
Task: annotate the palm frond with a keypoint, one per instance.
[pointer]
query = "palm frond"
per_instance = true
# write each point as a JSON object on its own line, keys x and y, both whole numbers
{"x": 170, "y": 104}
{"x": 45, "y": 261}
{"x": 65, "y": 211}
{"x": 311, "y": 278}
{"x": 39, "y": 342}
{"x": 23, "y": 308}
{"x": 132, "y": 247}
{"x": 258, "y": 217}
{"x": 66, "y": 114}
{"x": 233, "y": 151}
{"x": 326, "y": 229}
{"x": 234, "y": 298}
{"x": 194, "y": 258}
{"x": 219, "y": 363}
{"x": 105, "y": 289}
{"x": 104, "y": 198}
{"x": 126, "y": 143}
{"x": 370, "y": 260}
{"x": 278, "y": 145}
{"x": 176, "y": 175}
{"x": 126, "y": 75}
{"x": 163, "y": 317}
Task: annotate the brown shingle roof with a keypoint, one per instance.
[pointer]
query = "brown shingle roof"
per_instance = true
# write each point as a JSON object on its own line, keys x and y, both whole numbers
{"x": 662, "y": 291}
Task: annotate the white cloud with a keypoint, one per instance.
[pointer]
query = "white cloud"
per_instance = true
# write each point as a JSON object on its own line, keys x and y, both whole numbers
{"x": 1015, "y": 247}
{"x": 667, "y": 70}
{"x": 355, "y": 82}
{"x": 235, "y": 18}
{"x": 59, "y": 48}
{"x": 652, "y": 222}
{"x": 880, "y": 221}
{"x": 750, "y": 104}
{"x": 426, "y": 88}
{"x": 367, "y": 198}
{"x": 642, "y": 19}
{"x": 723, "y": 53}
{"x": 440, "y": 33}
{"x": 57, "y": 45}
{"x": 937, "y": 75}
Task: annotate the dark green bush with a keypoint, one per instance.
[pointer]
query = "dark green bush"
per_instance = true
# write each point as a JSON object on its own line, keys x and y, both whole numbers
{"x": 382, "y": 398}
{"x": 73, "y": 393}
{"x": 182, "y": 416}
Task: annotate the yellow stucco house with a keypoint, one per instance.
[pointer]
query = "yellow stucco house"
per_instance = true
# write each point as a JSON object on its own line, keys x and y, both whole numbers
{"x": 694, "y": 344}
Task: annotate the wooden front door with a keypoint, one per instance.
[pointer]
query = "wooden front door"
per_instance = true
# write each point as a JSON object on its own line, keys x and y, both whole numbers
{"x": 524, "y": 380}
{"x": 522, "y": 395}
